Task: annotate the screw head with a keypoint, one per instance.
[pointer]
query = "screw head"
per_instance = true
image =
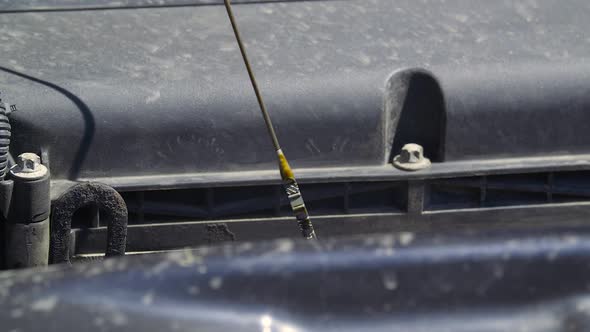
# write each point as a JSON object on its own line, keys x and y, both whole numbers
{"x": 28, "y": 166}
{"x": 411, "y": 158}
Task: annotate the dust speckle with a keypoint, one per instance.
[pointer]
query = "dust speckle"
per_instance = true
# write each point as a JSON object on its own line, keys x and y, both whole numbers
{"x": 119, "y": 319}
{"x": 551, "y": 256}
{"x": 583, "y": 306}
{"x": 16, "y": 313}
{"x": 93, "y": 271}
{"x": 194, "y": 290}
{"x": 406, "y": 238}
{"x": 45, "y": 304}
{"x": 498, "y": 272}
{"x": 148, "y": 298}
{"x": 244, "y": 247}
{"x": 99, "y": 321}
{"x": 364, "y": 59}
{"x": 285, "y": 246}
{"x": 386, "y": 241}
{"x": 153, "y": 97}
{"x": 267, "y": 10}
{"x": 572, "y": 240}
{"x": 390, "y": 281}
{"x": 385, "y": 252}
{"x": 215, "y": 282}
{"x": 185, "y": 258}
{"x": 159, "y": 268}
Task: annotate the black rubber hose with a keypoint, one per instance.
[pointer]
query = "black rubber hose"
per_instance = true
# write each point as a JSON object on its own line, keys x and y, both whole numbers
{"x": 113, "y": 212}
{"x": 4, "y": 143}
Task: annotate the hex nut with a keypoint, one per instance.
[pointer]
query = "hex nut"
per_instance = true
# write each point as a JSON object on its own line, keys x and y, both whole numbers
{"x": 411, "y": 158}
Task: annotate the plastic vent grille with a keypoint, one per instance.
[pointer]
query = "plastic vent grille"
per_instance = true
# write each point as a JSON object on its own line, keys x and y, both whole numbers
{"x": 509, "y": 190}
{"x": 147, "y": 207}
{"x": 263, "y": 201}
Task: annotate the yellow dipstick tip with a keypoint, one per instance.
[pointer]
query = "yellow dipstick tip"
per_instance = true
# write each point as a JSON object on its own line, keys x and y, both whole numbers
{"x": 286, "y": 172}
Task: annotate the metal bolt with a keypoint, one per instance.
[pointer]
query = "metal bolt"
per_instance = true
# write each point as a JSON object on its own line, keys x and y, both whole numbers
{"x": 28, "y": 166}
{"x": 28, "y": 162}
{"x": 411, "y": 158}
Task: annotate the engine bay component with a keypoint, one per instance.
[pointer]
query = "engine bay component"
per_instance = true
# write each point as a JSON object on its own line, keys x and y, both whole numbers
{"x": 442, "y": 146}
{"x": 5, "y": 135}
{"x": 502, "y": 116}
{"x": 113, "y": 211}
{"x": 287, "y": 175}
{"x": 411, "y": 158}
{"x": 27, "y": 223}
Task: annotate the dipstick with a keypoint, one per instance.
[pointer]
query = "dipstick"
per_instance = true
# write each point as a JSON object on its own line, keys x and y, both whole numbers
{"x": 289, "y": 182}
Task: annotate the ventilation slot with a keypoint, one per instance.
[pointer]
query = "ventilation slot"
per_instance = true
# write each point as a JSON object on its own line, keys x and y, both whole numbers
{"x": 377, "y": 197}
{"x": 520, "y": 189}
{"x": 451, "y": 194}
{"x": 571, "y": 186}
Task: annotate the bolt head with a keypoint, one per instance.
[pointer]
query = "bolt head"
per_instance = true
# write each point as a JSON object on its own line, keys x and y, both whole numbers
{"x": 28, "y": 162}
{"x": 411, "y": 158}
{"x": 28, "y": 167}
{"x": 411, "y": 153}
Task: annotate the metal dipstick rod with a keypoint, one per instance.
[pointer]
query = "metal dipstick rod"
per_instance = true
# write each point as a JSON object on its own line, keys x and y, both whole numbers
{"x": 289, "y": 182}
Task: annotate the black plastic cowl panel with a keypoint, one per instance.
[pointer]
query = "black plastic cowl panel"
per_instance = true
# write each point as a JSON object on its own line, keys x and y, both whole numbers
{"x": 120, "y": 97}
